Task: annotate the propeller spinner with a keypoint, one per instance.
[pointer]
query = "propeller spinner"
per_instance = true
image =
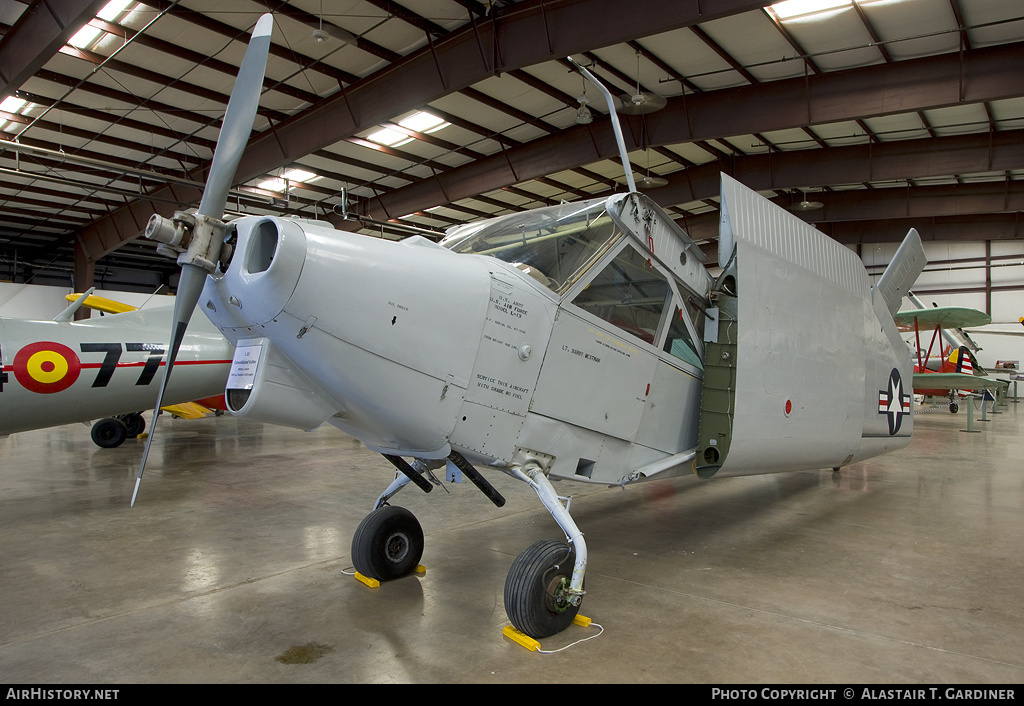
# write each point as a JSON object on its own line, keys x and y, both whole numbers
{"x": 197, "y": 239}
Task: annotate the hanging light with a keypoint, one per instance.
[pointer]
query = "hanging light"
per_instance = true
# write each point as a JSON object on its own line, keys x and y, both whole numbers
{"x": 642, "y": 102}
{"x": 805, "y": 205}
{"x": 583, "y": 114}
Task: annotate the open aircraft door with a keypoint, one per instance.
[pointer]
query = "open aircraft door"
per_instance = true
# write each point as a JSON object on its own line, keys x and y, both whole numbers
{"x": 790, "y": 382}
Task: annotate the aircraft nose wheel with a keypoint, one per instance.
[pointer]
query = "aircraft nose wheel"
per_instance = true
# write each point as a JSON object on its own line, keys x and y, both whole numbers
{"x": 536, "y": 596}
{"x": 388, "y": 544}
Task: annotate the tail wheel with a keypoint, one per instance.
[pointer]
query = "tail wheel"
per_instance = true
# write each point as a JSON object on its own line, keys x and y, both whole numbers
{"x": 536, "y": 590}
{"x": 388, "y": 544}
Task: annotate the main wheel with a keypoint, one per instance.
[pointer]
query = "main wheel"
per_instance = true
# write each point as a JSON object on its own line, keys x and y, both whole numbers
{"x": 387, "y": 544}
{"x": 135, "y": 423}
{"x": 109, "y": 432}
{"x": 954, "y": 407}
{"x": 536, "y": 590}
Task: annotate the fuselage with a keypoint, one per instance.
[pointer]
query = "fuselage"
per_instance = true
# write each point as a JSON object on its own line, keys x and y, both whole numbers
{"x": 562, "y": 335}
{"x": 574, "y": 334}
{"x": 57, "y": 372}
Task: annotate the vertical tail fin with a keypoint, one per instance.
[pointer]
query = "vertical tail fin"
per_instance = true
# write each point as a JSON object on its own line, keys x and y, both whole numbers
{"x": 902, "y": 272}
{"x": 963, "y": 362}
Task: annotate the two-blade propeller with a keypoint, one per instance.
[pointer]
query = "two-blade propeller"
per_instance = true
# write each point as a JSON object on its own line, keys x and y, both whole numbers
{"x": 198, "y": 237}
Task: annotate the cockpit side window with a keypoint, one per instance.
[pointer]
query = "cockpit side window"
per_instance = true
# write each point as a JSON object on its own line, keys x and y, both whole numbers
{"x": 629, "y": 293}
{"x": 553, "y": 245}
{"x": 679, "y": 342}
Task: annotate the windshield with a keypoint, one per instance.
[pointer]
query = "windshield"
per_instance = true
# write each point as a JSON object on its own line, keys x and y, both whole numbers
{"x": 554, "y": 245}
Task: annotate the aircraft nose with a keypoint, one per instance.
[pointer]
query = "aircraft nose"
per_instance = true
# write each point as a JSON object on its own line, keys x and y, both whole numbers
{"x": 265, "y": 268}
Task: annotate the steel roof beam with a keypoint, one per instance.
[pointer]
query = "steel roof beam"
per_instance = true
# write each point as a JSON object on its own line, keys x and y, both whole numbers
{"x": 974, "y": 228}
{"x": 845, "y": 212}
{"x": 40, "y": 32}
{"x": 885, "y": 89}
{"x": 854, "y": 164}
{"x": 523, "y": 34}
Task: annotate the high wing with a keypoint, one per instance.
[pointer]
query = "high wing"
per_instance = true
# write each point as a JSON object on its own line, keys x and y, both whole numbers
{"x": 796, "y": 309}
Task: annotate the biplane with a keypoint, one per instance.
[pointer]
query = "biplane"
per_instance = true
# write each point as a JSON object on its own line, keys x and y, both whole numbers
{"x": 953, "y": 370}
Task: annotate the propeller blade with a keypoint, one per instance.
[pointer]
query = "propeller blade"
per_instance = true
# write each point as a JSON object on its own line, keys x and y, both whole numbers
{"x": 190, "y": 287}
{"x": 234, "y": 135}
{"x": 237, "y": 125}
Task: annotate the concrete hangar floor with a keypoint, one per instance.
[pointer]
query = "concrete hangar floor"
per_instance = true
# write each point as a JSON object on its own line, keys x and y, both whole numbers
{"x": 232, "y": 567}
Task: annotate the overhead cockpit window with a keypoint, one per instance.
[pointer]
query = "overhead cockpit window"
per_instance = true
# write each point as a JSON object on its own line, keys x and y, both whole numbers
{"x": 554, "y": 245}
{"x": 629, "y": 293}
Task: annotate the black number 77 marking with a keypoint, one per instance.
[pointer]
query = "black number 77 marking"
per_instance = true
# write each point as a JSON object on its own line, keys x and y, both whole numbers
{"x": 112, "y": 355}
{"x": 109, "y": 364}
{"x": 156, "y": 352}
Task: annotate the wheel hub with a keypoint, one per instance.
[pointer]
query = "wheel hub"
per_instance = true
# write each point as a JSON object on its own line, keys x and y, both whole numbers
{"x": 558, "y": 594}
{"x": 396, "y": 547}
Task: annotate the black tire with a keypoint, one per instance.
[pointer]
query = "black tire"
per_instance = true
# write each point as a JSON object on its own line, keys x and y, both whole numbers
{"x": 954, "y": 408}
{"x": 531, "y": 589}
{"x": 135, "y": 423}
{"x": 109, "y": 433}
{"x": 388, "y": 544}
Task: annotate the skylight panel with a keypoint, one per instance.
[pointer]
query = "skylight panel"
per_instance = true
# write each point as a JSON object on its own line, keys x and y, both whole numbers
{"x": 11, "y": 104}
{"x": 418, "y": 122}
{"x": 286, "y": 180}
{"x": 423, "y": 122}
{"x": 88, "y": 37}
{"x": 818, "y": 9}
{"x": 389, "y": 137}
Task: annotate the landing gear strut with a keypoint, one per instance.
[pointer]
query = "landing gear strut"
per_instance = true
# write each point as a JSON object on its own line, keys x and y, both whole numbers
{"x": 544, "y": 588}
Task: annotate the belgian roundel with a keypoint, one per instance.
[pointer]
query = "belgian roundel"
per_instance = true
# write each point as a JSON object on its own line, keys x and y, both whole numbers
{"x": 46, "y": 367}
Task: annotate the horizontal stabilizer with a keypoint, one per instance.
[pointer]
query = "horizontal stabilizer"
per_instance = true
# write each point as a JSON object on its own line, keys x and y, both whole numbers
{"x": 902, "y": 272}
{"x": 107, "y": 306}
{"x": 187, "y": 410}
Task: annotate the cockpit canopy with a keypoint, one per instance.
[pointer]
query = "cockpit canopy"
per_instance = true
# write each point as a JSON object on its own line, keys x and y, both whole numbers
{"x": 555, "y": 245}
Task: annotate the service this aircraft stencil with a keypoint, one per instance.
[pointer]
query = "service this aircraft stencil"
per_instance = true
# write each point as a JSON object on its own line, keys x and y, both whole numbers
{"x": 103, "y": 368}
{"x": 584, "y": 341}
